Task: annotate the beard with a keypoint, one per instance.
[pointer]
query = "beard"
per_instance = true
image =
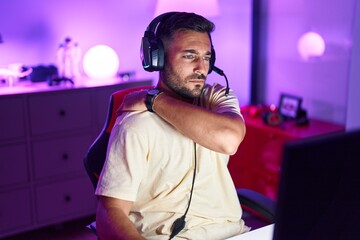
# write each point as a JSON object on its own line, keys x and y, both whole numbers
{"x": 173, "y": 81}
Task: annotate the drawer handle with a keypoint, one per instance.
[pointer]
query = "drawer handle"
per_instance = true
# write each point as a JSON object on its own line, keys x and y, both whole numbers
{"x": 67, "y": 198}
{"x": 65, "y": 156}
{"x": 62, "y": 113}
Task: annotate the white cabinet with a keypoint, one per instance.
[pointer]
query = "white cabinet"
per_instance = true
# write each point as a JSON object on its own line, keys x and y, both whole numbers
{"x": 69, "y": 110}
{"x": 16, "y": 210}
{"x": 44, "y": 137}
{"x": 12, "y": 118}
{"x": 60, "y": 156}
{"x": 14, "y": 165}
{"x": 66, "y": 199}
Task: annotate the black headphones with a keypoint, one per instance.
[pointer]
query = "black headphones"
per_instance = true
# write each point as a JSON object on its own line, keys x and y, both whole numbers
{"x": 152, "y": 51}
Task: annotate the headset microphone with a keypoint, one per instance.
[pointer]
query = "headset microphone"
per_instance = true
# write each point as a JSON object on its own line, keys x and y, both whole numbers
{"x": 221, "y": 73}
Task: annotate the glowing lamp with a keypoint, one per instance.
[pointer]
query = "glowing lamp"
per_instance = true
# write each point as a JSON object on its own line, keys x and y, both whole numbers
{"x": 100, "y": 62}
{"x": 311, "y": 44}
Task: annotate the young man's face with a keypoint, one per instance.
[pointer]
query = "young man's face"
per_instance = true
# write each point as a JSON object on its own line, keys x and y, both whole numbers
{"x": 187, "y": 63}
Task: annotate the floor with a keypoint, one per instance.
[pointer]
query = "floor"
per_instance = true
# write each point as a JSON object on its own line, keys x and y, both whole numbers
{"x": 74, "y": 230}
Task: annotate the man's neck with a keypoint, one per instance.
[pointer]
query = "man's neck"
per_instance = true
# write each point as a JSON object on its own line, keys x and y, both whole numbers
{"x": 164, "y": 88}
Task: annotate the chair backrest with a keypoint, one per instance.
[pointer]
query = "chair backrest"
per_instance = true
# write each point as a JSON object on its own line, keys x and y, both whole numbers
{"x": 95, "y": 157}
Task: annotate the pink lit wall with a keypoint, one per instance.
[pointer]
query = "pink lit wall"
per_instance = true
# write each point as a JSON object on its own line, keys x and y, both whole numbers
{"x": 32, "y": 31}
{"x": 323, "y": 82}
{"x": 353, "y": 109}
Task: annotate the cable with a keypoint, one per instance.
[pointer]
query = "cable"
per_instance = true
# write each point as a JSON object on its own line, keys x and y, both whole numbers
{"x": 221, "y": 73}
{"x": 179, "y": 223}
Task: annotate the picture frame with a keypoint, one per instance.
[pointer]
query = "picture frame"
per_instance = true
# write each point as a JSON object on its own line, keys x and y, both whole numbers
{"x": 290, "y": 106}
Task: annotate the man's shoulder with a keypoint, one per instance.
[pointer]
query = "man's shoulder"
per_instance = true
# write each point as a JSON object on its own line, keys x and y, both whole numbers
{"x": 134, "y": 118}
{"x": 137, "y": 120}
{"x": 141, "y": 124}
{"x": 216, "y": 92}
{"x": 214, "y": 98}
{"x": 213, "y": 87}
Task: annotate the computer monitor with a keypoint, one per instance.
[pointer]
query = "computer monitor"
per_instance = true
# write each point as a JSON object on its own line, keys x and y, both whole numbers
{"x": 319, "y": 193}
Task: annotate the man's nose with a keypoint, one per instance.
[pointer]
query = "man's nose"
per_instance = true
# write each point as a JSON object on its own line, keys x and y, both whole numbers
{"x": 201, "y": 67}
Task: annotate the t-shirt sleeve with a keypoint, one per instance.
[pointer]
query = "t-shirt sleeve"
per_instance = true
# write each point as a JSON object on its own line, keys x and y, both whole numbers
{"x": 214, "y": 99}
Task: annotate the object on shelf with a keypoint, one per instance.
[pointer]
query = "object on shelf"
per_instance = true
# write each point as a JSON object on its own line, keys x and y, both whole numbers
{"x": 68, "y": 59}
{"x": 13, "y": 72}
{"x": 289, "y": 106}
{"x": 43, "y": 73}
{"x": 125, "y": 76}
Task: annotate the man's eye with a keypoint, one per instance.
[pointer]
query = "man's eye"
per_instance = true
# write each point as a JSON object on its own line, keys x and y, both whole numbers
{"x": 207, "y": 59}
{"x": 189, "y": 56}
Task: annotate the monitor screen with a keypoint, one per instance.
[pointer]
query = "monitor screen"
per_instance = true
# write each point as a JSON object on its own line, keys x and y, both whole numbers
{"x": 319, "y": 193}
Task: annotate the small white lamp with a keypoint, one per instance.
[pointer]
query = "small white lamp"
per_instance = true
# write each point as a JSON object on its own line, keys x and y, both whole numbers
{"x": 310, "y": 45}
{"x": 101, "y": 62}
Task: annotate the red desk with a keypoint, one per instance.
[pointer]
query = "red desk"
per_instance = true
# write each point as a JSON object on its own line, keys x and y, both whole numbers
{"x": 257, "y": 163}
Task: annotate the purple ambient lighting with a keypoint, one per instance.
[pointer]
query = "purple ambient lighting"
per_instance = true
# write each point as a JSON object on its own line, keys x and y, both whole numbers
{"x": 206, "y": 8}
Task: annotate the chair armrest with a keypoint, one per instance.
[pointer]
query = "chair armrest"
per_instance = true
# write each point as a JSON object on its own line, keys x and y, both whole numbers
{"x": 257, "y": 203}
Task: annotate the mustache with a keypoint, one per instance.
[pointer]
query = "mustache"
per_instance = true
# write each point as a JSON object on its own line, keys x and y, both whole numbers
{"x": 197, "y": 76}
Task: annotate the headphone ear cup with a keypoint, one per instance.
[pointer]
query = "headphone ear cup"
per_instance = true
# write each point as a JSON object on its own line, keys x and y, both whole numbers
{"x": 158, "y": 54}
{"x": 152, "y": 53}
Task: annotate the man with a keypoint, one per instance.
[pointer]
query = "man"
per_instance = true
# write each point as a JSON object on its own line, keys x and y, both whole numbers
{"x": 168, "y": 151}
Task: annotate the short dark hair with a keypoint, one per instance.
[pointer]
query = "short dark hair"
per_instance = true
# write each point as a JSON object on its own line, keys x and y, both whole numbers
{"x": 183, "y": 21}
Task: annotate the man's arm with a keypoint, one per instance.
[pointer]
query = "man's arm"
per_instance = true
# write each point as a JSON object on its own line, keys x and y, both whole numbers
{"x": 112, "y": 221}
{"x": 220, "y": 132}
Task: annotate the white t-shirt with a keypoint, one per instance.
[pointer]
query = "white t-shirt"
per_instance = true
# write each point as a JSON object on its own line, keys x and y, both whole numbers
{"x": 150, "y": 163}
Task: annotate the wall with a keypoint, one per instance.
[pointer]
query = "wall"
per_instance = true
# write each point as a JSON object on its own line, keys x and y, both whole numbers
{"x": 353, "y": 110}
{"x": 321, "y": 82}
{"x": 33, "y": 30}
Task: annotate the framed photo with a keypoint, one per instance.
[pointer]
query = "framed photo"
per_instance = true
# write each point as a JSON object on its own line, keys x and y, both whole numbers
{"x": 289, "y": 106}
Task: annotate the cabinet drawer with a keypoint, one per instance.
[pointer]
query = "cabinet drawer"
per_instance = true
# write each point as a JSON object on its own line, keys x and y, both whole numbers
{"x": 59, "y": 111}
{"x": 13, "y": 164}
{"x": 15, "y": 210}
{"x": 12, "y": 124}
{"x": 69, "y": 198}
{"x": 59, "y": 156}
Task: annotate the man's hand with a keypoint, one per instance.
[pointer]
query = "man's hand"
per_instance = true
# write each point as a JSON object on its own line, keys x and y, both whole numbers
{"x": 134, "y": 101}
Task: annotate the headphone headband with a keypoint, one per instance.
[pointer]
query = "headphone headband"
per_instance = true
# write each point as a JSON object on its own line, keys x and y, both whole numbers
{"x": 157, "y": 20}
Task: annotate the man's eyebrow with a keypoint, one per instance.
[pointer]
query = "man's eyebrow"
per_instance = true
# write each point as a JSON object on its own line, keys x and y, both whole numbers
{"x": 195, "y": 52}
